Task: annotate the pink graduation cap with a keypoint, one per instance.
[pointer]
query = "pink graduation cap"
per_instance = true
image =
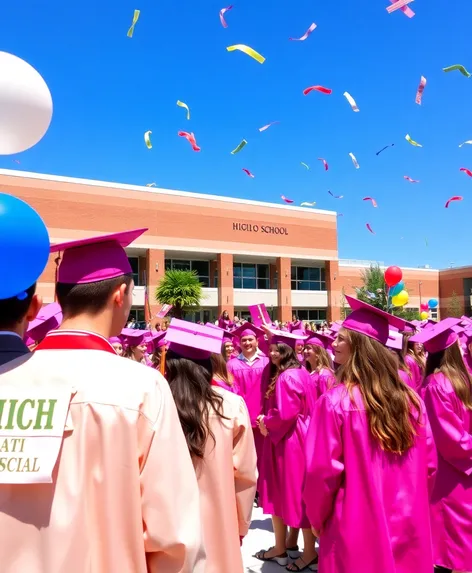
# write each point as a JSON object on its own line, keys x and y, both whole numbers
{"x": 440, "y": 336}
{"x": 96, "y": 258}
{"x": 49, "y": 318}
{"x": 193, "y": 341}
{"x": 115, "y": 340}
{"x": 226, "y": 334}
{"x": 336, "y": 327}
{"x": 135, "y": 337}
{"x": 247, "y": 329}
{"x": 371, "y": 321}
{"x": 155, "y": 340}
{"x": 260, "y": 315}
{"x": 318, "y": 339}
{"x": 288, "y": 338}
{"x": 395, "y": 340}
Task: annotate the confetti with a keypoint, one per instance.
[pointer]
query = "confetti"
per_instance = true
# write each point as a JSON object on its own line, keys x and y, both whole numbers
{"x": 321, "y": 89}
{"x": 397, "y": 5}
{"x": 340, "y": 214}
{"x": 410, "y": 179}
{"x": 222, "y": 18}
{"x": 419, "y": 92}
{"x": 247, "y": 50}
{"x": 351, "y": 100}
{"x": 286, "y": 199}
{"x": 135, "y": 19}
{"x": 466, "y": 171}
{"x": 458, "y": 67}
{"x": 469, "y": 141}
{"x": 325, "y": 163}
{"x": 248, "y": 172}
{"x": 307, "y": 204}
{"x": 268, "y": 125}
{"x": 455, "y": 198}
{"x": 336, "y": 196}
{"x": 190, "y": 137}
{"x": 384, "y": 148}
{"x": 305, "y": 35}
{"x": 16, "y": 161}
{"x": 370, "y": 228}
{"x": 239, "y": 147}
{"x": 374, "y": 202}
{"x": 185, "y": 106}
{"x": 304, "y": 165}
{"x": 415, "y": 143}
{"x": 147, "y": 139}
{"x": 405, "y": 9}
{"x": 354, "y": 160}
{"x": 150, "y": 185}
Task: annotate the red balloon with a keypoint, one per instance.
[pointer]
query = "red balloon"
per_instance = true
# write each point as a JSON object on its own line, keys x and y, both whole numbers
{"x": 425, "y": 307}
{"x": 393, "y": 275}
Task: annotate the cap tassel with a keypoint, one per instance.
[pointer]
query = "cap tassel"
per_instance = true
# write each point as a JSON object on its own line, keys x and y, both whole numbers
{"x": 57, "y": 260}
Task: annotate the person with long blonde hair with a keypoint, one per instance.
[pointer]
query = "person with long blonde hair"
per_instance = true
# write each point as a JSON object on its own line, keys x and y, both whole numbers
{"x": 318, "y": 362}
{"x": 370, "y": 458}
{"x": 447, "y": 394}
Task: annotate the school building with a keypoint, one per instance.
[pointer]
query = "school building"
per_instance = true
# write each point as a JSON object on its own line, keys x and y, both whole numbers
{"x": 245, "y": 252}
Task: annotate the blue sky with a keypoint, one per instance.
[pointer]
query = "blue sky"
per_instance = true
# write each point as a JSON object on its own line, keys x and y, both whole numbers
{"x": 109, "y": 89}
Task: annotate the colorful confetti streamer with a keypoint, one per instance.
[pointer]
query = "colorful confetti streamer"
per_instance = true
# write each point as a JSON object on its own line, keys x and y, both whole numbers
{"x": 459, "y": 68}
{"x": 147, "y": 139}
{"x": 321, "y": 89}
{"x": 247, "y": 50}
{"x": 415, "y": 143}
{"x": 286, "y": 199}
{"x": 455, "y": 198}
{"x": 466, "y": 171}
{"x": 370, "y": 228}
{"x": 190, "y": 137}
{"x": 405, "y": 9}
{"x": 304, "y": 165}
{"x": 351, "y": 100}
{"x": 305, "y": 35}
{"x": 398, "y": 5}
{"x": 410, "y": 179}
{"x": 336, "y": 196}
{"x": 247, "y": 172}
{"x": 133, "y": 24}
{"x": 185, "y": 106}
{"x": 268, "y": 125}
{"x": 325, "y": 163}
{"x": 222, "y": 18}
{"x": 151, "y": 185}
{"x": 420, "y": 90}
{"x": 469, "y": 142}
{"x": 307, "y": 204}
{"x": 384, "y": 148}
{"x": 239, "y": 147}
{"x": 354, "y": 160}
{"x": 374, "y": 202}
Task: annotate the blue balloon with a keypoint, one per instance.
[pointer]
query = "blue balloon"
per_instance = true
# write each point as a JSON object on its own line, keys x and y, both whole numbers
{"x": 24, "y": 246}
{"x": 432, "y": 303}
{"x": 397, "y": 289}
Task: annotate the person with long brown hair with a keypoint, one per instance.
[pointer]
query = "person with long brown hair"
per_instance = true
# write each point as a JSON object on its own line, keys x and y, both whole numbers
{"x": 413, "y": 357}
{"x": 448, "y": 398}
{"x": 284, "y": 425}
{"x": 221, "y": 376}
{"x": 318, "y": 362}
{"x": 218, "y": 431}
{"x": 370, "y": 458}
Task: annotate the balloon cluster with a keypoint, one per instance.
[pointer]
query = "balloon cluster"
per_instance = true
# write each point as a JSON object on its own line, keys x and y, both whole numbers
{"x": 426, "y": 307}
{"x": 396, "y": 287}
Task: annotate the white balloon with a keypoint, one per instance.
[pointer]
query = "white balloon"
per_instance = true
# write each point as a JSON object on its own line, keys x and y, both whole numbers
{"x": 25, "y": 105}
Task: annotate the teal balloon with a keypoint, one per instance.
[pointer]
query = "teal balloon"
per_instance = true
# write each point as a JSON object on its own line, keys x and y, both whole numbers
{"x": 432, "y": 303}
{"x": 24, "y": 246}
{"x": 397, "y": 289}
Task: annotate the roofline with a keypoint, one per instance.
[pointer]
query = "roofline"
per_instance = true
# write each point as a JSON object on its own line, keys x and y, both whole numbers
{"x": 455, "y": 268}
{"x": 124, "y": 186}
{"x": 367, "y": 265}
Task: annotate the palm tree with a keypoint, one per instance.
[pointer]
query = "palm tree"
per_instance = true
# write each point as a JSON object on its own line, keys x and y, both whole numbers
{"x": 181, "y": 289}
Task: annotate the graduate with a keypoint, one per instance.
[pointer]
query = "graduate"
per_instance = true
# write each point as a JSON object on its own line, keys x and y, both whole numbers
{"x": 117, "y": 344}
{"x": 136, "y": 347}
{"x": 448, "y": 398}
{"x": 48, "y": 318}
{"x": 284, "y": 425}
{"x": 371, "y": 458}
{"x": 318, "y": 362}
{"x": 108, "y": 484}
{"x": 219, "y": 436}
{"x": 221, "y": 376}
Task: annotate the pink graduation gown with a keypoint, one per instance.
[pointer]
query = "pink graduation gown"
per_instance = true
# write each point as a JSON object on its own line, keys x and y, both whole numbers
{"x": 468, "y": 361}
{"x": 283, "y": 459}
{"x": 124, "y": 495}
{"x": 227, "y": 480}
{"x": 371, "y": 507}
{"x": 321, "y": 381}
{"x": 451, "y": 503}
{"x": 415, "y": 370}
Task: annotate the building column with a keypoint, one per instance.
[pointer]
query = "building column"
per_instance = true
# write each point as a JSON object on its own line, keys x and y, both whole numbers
{"x": 334, "y": 290}
{"x": 224, "y": 265}
{"x": 155, "y": 270}
{"x": 213, "y": 269}
{"x": 284, "y": 289}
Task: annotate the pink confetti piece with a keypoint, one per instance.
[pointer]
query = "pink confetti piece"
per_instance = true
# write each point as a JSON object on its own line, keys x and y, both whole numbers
{"x": 268, "y": 125}
{"x": 466, "y": 171}
{"x": 286, "y": 199}
{"x": 305, "y": 35}
{"x": 321, "y": 89}
{"x": 455, "y": 198}
{"x": 222, "y": 17}
{"x": 336, "y": 196}
{"x": 410, "y": 179}
{"x": 374, "y": 202}
{"x": 248, "y": 172}
{"x": 405, "y": 9}
{"x": 419, "y": 93}
{"x": 325, "y": 163}
{"x": 397, "y": 5}
{"x": 370, "y": 228}
{"x": 190, "y": 137}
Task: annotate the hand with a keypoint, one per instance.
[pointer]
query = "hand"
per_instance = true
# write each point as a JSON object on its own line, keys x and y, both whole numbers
{"x": 315, "y": 532}
{"x": 262, "y": 426}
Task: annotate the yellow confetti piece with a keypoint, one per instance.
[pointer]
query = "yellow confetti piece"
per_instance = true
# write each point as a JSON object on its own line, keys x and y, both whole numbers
{"x": 135, "y": 19}
{"x": 147, "y": 139}
{"x": 247, "y": 50}
{"x": 185, "y": 106}
{"x": 240, "y": 146}
{"x": 415, "y": 143}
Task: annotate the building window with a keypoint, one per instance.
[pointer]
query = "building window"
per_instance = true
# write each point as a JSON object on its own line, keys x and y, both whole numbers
{"x": 248, "y": 276}
{"x": 434, "y": 313}
{"x": 312, "y": 315}
{"x": 202, "y": 268}
{"x": 308, "y": 278}
{"x": 135, "y": 267}
{"x": 215, "y": 279}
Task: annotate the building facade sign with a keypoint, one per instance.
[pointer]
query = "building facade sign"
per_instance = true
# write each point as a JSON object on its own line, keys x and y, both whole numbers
{"x": 252, "y": 228}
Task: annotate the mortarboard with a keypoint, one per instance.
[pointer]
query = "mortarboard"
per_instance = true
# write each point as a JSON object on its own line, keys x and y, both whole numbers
{"x": 115, "y": 340}
{"x": 96, "y": 258}
{"x": 155, "y": 340}
{"x": 288, "y": 338}
{"x": 134, "y": 337}
{"x": 438, "y": 337}
{"x": 260, "y": 315}
{"x": 247, "y": 329}
{"x": 395, "y": 340}
{"x": 49, "y": 318}
{"x": 193, "y": 341}
{"x": 226, "y": 333}
{"x": 336, "y": 327}
{"x": 318, "y": 339}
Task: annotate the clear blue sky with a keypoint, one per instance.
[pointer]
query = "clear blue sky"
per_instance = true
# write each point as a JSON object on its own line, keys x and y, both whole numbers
{"x": 109, "y": 89}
